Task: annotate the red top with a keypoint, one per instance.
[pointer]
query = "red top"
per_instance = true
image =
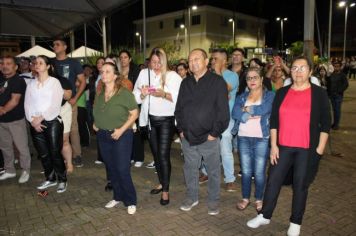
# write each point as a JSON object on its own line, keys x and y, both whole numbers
{"x": 294, "y": 119}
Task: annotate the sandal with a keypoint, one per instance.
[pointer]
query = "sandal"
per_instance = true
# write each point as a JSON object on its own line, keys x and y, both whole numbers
{"x": 243, "y": 204}
{"x": 258, "y": 205}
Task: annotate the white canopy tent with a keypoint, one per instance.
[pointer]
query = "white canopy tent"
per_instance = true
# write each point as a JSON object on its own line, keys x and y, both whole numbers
{"x": 35, "y": 51}
{"x": 84, "y": 52}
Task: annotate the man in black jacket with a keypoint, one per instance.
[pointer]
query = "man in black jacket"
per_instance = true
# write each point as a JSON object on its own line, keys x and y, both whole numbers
{"x": 336, "y": 85}
{"x": 202, "y": 114}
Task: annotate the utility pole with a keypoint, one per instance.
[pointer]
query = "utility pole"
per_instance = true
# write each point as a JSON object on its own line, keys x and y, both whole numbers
{"x": 309, "y": 11}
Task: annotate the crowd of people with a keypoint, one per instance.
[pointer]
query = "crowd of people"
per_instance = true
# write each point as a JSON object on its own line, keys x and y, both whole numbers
{"x": 275, "y": 114}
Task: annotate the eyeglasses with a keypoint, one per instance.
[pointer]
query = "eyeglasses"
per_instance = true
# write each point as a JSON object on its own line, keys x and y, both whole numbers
{"x": 299, "y": 68}
{"x": 252, "y": 78}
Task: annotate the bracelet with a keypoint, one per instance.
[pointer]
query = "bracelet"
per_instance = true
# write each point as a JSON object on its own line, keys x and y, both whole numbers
{"x": 142, "y": 96}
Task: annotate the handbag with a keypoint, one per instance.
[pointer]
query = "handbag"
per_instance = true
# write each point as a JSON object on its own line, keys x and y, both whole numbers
{"x": 145, "y": 130}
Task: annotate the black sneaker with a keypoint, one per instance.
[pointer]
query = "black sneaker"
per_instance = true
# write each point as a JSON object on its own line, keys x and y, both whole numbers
{"x": 77, "y": 161}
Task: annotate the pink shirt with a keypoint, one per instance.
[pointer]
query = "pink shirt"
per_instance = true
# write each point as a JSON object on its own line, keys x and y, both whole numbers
{"x": 294, "y": 119}
{"x": 252, "y": 128}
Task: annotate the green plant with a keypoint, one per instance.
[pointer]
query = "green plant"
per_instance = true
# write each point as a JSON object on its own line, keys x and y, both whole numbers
{"x": 297, "y": 48}
{"x": 227, "y": 46}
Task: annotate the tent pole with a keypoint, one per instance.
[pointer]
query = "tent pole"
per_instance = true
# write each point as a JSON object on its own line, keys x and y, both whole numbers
{"x": 33, "y": 41}
{"x": 85, "y": 42}
{"x": 72, "y": 44}
{"x": 144, "y": 29}
{"x": 103, "y": 26}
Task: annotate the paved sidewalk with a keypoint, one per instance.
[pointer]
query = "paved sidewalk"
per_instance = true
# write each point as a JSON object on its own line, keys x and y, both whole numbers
{"x": 80, "y": 210}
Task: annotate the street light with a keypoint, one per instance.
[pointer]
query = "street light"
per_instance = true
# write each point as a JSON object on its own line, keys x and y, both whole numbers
{"x": 182, "y": 26}
{"x": 345, "y": 4}
{"x": 233, "y": 30}
{"x": 194, "y": 8}
{"x": 281, "y": 20}
{"x": 140, "y": 38}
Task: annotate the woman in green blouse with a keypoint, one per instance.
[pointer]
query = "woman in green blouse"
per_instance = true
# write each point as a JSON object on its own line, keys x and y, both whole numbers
{"x": 115, "y": 111}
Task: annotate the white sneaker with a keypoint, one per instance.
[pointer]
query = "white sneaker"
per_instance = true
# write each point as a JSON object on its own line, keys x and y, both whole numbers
{"x": 98, "y": 162}
{"x": 150, "y": 165}
{"x": 294, "y": 229}
{"x": 188, "y": 204}
{"x": 138, "y": 164}
{"x": 258, "y": 221}
{"x": 25, "y": 176}
{"x": 111, "y": 204}
{"x": 131, "y": 209}
{"x": 62, "y": 187}
{"x": 7, "y": 175}
{"x": 46, "y": 184}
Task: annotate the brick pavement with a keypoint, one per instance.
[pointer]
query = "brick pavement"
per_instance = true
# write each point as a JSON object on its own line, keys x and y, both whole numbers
{"x": 80, "y": 210}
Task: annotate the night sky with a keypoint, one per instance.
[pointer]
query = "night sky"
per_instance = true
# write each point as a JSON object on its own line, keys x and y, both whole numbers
{"x": 123, "y": 31}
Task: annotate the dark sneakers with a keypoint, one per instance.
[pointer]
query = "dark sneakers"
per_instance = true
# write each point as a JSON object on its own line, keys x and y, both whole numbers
{"x": 77, "y": 161}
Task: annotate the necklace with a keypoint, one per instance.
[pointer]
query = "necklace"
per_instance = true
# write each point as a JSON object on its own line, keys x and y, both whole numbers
{"x": 108, "y": 95}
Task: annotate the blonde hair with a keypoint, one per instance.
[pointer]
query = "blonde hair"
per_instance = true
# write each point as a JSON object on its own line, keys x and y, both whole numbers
{"x": 161, "y": 54}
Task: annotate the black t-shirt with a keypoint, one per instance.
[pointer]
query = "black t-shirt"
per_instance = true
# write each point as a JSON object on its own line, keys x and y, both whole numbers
{"x": 65, "y": 86}
{"x": 7, "y": 87}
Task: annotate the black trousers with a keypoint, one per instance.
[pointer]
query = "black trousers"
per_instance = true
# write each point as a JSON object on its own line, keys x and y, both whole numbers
{"x": 48, "y": 144}
{"x": 297, "y": 159}
{"x": 160, "y": 139}
{"x": 83, "y": 127}
{"x": 1, "y": 160}
{"x": 138, "y": 153}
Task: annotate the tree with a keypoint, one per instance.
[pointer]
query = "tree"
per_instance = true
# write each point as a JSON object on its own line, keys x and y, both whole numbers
{"x": 297, "y": 48}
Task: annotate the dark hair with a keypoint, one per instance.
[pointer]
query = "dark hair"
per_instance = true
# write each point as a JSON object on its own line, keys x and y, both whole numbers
{"x": 239, "y": 50}
{"x": 185, "y": 66}
{"x": 63, "y": 40}
{"x": 257, "y": 61}
{"x": 125, "y": 51}
{"x": 205, "y": 55}
{"x": 222, "y": 51}
{"x": 12, "y": 58}
{"x": 309, "y": 63}
{"x": 99, "y": 58}
{"x": 26, "y": 59}
{"x": 86, "y": 65}
{"x": 48, "y": 63}
{"x": 259, "y": 71}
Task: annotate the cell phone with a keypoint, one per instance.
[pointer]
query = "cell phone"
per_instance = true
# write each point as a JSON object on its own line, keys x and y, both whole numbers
{"x": 151, "y": 89}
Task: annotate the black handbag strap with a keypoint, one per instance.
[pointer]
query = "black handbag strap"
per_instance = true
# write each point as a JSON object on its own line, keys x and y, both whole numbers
{"x": 149, "y": 97}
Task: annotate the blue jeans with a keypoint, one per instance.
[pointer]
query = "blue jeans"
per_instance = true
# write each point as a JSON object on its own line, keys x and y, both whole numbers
{"x": 336, "y": 101}
{"x": 227, "y": 158}
{"x": 117, "y": 156}
{"x": 253, "y": 158}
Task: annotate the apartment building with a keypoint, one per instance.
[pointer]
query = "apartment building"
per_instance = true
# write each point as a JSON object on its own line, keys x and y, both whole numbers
{"x": 208, "y": 27}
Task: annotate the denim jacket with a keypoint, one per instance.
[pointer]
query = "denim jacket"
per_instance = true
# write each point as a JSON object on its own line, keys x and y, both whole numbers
{"x": 263, "y": 110}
